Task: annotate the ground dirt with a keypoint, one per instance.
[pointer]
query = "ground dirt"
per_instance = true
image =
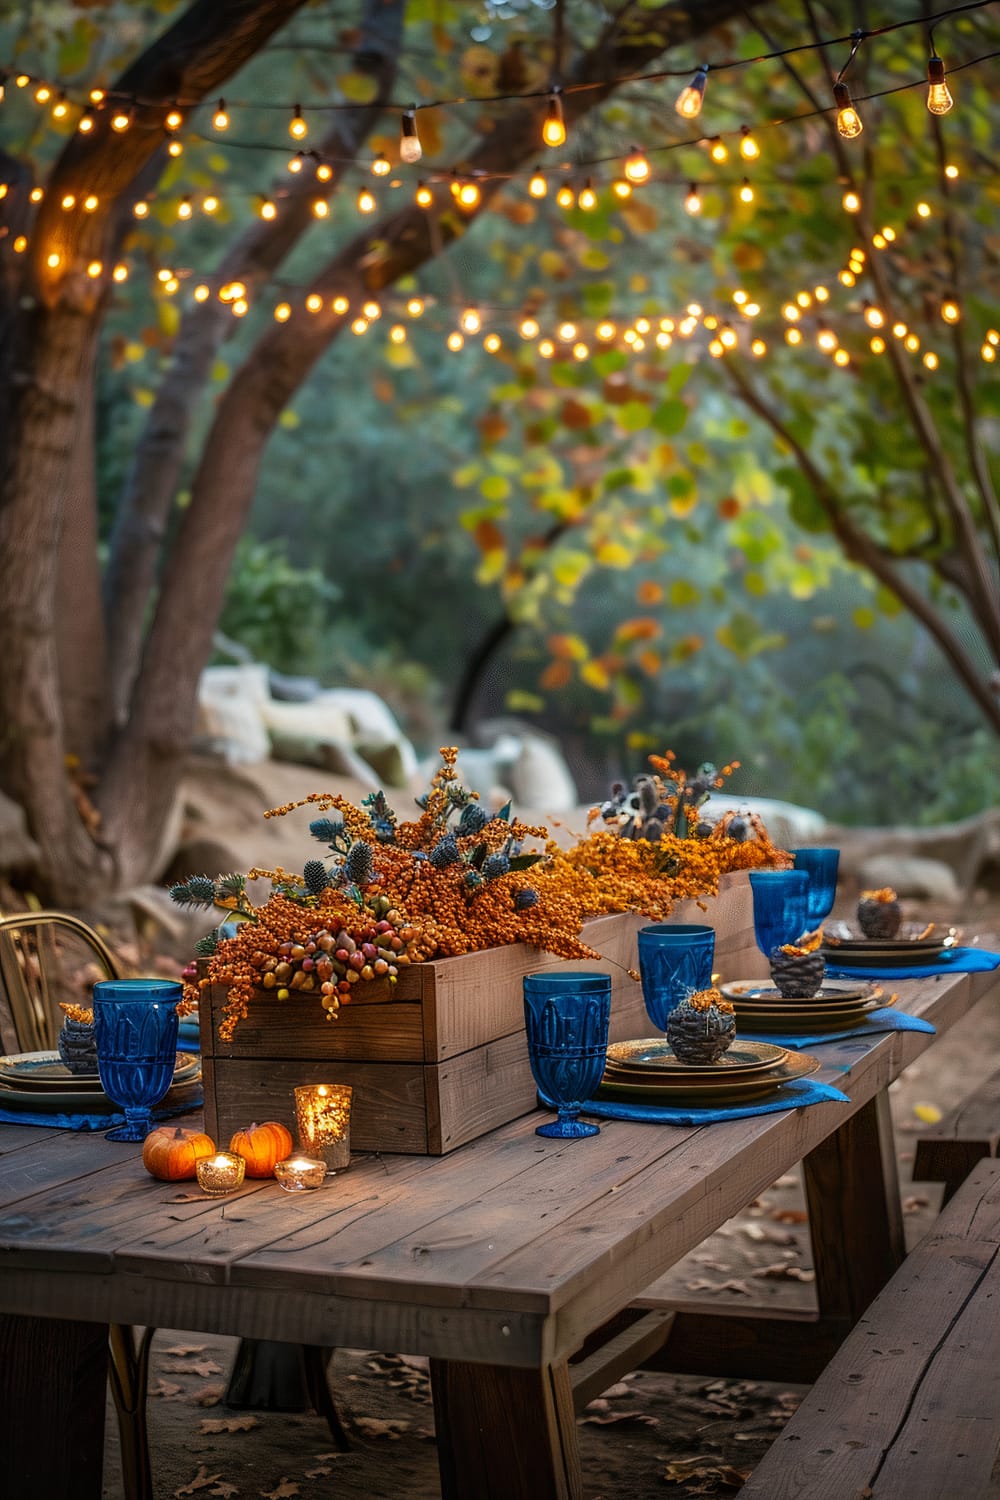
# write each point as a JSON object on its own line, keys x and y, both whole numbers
{"x": 649, "y": 1435}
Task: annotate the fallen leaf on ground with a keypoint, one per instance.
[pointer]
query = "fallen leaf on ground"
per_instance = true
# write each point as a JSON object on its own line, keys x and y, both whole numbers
{"x": 208, "y": 1395}
{"x": 790, "y": 1216}
{"x": 181, "y": 1350}
{"x": 223, "y": 1491}
{"x": 375, "y": 1427}
{"x": 711, "y": 1264}
{"x": 761, "y": 1235}
{"x": 321, "y": 1473}
{"x": 928, "y": 1113}
{"x": 782, "y": 1271}
{"x": 710, "y": 1471}
{"x": 197, "y": 1367}
{"x": 914, "y": 1203}
{"x": 285, "y": 1491}
{"x": 228, "y": 1424}
{"x": 618, "y": 1389}
{"x": 619, "y": 1419}
{"x": 166, "y": 1389}
{"x": 201, "y": 1481}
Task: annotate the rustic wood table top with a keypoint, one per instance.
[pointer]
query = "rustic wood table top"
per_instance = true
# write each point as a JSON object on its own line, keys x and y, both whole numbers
{"x": 504, "y": 1256}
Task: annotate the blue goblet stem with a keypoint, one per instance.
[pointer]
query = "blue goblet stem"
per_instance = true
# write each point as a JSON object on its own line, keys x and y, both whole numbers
{"x": 821, "y": 865}
{"x": 675, "y": 960}
{"x": 566, "y": 1016}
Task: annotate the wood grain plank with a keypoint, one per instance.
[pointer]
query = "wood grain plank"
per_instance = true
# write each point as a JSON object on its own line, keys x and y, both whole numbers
{"x": 50, "y": 1367}
{"x": 836, "y": 1443}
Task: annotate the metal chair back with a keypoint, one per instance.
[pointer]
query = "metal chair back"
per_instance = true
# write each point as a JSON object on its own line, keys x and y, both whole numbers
{"x": 32, "y": 974}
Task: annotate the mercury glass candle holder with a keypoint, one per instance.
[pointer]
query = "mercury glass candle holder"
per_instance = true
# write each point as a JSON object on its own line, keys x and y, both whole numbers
{"x": 323, "y": 1115}
{"x": 220, "y": 1174}
{"x": 300, "y": 1174}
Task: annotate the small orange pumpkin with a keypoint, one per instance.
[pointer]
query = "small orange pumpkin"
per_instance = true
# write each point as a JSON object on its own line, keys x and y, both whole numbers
{"x": 172, "y": 1153}
{"x": 261, "y": 1146}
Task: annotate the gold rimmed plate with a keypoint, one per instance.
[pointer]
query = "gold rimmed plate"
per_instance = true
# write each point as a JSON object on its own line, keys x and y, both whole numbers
{"x": 726, "y": 1090}
{"x": 806, "y": 1020}
{"x": 91, "y": 1101}
{"x": 45, "y": 1072}
{"x": 759, "y": 989}
{"x": 790, "y": 1007}
{"x": 655, "y": 1057}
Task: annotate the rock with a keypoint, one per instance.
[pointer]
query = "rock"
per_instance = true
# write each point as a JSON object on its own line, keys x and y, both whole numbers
{"x": 788, "y": 824}
{"x": 909, "y": 875}
{"x": 970, "y": 847}
{"x": 18, "y": 849}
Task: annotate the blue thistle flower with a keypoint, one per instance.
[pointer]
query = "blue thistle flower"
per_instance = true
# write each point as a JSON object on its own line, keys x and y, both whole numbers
{"x": 232, "y": 885}
{"x": 359, "y": 866}
{"x": 495, "y": 865}
{"x": 315, "y": 877}
{"x": 445, "y": 852}
{"x": 525, "y": 898}
{"x": 473, "y": 819}
{"x": 180, "y": 894}
{"x": 326, "y": 830}
{"x": 201, "y": 889}
{"x": 206, "y": 946}
{"x": 473, "y": 879}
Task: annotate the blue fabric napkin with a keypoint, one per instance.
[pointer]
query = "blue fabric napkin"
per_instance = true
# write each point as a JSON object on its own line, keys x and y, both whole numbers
{"x": 883, "y": 1019}
{"x": 794, "y": 1095}
{"x": 54, "y": 1121}
{"x": 955, "y": 961}
{"x": 189, "y": 1035}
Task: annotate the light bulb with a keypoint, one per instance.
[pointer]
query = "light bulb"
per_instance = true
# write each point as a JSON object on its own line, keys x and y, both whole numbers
{"x": 173, "y": 119}
{"x": 636, "y": 166}
{"x": 397, "y": 334}
{"x": 296, "y": 164}
{"x": 841, "y": 357}
{"x": 201, "y": 293}
{"x": 20, "y": 244}
{"x": 580, "y": 351}
{"x": 221, "y": 119}
{"x": 709, "y": 321}
{"x": 174, "y": 148}
{"x": 689, "y": 100}
{"x": 846, "y": 278}
{"x": 184, "y": 209}
{"x": 85, "y": 124}
{"x": 758, "y": 348}
{"x": 471, "y": 321}
{"x": 42, "y": 94}
{"x": 468, "y": 195}
{"x": 120, "y": 272}
{"x": 372, "y": 310}
{"x": 694, "y": 309}
{"x": 793, "y": 336}
{"x": 621, "y": 188}
{"x": 899, "y": 330}
{"x": 381, "y": 166}
{"x": 877, "y": 344}
{"x": 415, "y": 307}
{"x": 297, "y": 127}
{"x": 140, "y": 210}
{"x": 692, "y": 201}
{"x": 366, "y": 202}
{"x": 68, "y": 201}
{"x": 931, "y": 360}
{"x": 268, "y": 210}
{"x": 911, "y": 342}
{"x": 746, "y": 191}
{"x": 321, "y": 208}
{"x": 716, "y": 348}
{"x": 939, "y": 99}
{"x": 94, "y": 269}
{"x": 90, "y": 203}
{"x": 874, "y": 316}
{"x": 988, "y": 353}
{"x": 564, "y": 197}
{"x": 546, "y": 348}
{"x": 740, "y": 297}
{"x": 848, "y": 120}
{"x": 121, "y": 120}
{"x": 314, "y": 302}
{"x": 492, "y": 343}
{"x": 96, "y": 96}
{"x": 950, "y": 310}
{"x": 282, "y": 312}
{"x": 36, "y": 195}
{"x": 951, "y": 171}
{"x": 749, "y": 149}
{"x": 879, "y": 241}
{"x": 588, "y": 198}
{"x": 851, "y": 201}
{"x": 339, "y": 305}
{"x": 53, "y": 260}
{"x": 164, "y": 275}
{"x": 537, "y": 186}
{"x": 567, "y": 332}
{"x": 888, "y": 234}
{"x": 410, "y": 149}
{"x": 804, "y": 299}
{"x": 324, "y": 172}
{"x": 605, "y": 330}
{"x": 60, "y": 109}
{"x": 821, "y": 293}
{"x": 642, "y": 325}
{"x": 554, "y": 129}
{"x": 791, "y": 312}
{"x": 455, "y": 342}
{"x": 423, "y": 196}
{"x": 663, "y": 340}
{"x": 528, "y": 328}
{"x": 992, "y": 337}
{"x": 359, "y": 326}
{"x": 209, "y": 203}
{"x": 924, "y": 210}
{"x": 718, "y": 150}
{"x": 728, "y": 337}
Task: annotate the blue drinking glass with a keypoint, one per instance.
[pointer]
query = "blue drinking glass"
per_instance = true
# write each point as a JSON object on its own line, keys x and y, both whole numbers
{"x": 675, "y": 960}
{"x": 135, "y": 1027}
{"x": 566, "y": 1016}
{"x": 779, "y": 907}
{"x": 821, "y": 866}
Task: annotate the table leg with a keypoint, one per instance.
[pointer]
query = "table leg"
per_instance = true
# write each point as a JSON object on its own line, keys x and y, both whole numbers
{"x": 53, "y": 1377}
{"x": 505, "y": 1434}
{"x": 855, "y": 1217}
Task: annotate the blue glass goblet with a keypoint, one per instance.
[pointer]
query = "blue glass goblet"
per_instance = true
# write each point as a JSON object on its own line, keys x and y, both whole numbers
{"x": 135, "y": 1027}
{"x": 675, "y": 960}
{"x": 779, "y": 907}
{"x": 821, "y": 866}
{"x": 566, "y": 1016}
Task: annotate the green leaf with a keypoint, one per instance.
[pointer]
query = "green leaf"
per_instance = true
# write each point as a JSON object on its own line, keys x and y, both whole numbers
{"x": 633, "y": 416}
{"x": 495, "y": 487}
{"x": 670, "y": 417}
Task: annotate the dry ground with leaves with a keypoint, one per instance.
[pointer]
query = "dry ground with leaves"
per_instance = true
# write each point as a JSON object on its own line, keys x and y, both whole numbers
{"x": 649, "y": 1435}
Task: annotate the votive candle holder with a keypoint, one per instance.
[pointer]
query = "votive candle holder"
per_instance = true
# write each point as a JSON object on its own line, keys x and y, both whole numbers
{"x": 323, "y": 1116}
{"x": 300, "y": 1174}
{"x": 220, "y": 1174}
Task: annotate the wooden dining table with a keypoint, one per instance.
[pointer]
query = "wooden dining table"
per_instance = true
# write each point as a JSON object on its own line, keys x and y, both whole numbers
{"x": 524, "y": 1267}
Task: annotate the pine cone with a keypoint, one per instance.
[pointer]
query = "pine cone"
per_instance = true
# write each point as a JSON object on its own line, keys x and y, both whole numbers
{"x": 797, "y": 973}
{"x": 77, "y": 1045}
{"x": 701, "y": 1027}
{"x": 879, "y": 913}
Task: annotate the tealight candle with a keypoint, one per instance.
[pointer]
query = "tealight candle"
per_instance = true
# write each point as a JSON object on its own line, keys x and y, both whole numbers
{"x": 220, "y": 1174}
{"x": 323, "y": 1113}
{"x": 300, "y": 1174}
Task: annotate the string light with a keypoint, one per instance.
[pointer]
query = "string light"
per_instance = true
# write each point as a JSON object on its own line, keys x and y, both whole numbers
{"x": 53, "y": 260}
{"x": 296, "y": 163}
{"x": 381, "y": 166}
{"x": 758, "y": 348}
{"x": 94, "y": 269}
{"x": 564, "y": 197}
{"x": 636, "y": 167}
{"x": 554, "y": 128}
{"x": 992, "y": 337}
{"x": 314, "y": 302}
{"x": 175, "y": 148}
{"x": 221, "y": 119}
{"x": 359, "y": 326}
{"x": 841, "y": 357}
{"x": 121, "y": 120}
{"x": 899, "y": 330}
{"x": 173, "y": 119}
{"x": 746, "y": 191}
{"x": 848, "y": 120}
{"x": 621, "y": 188}
{"x": 663, "y": 340}
{"x": 911, "y": 342}
{"x": 988, "y": 353}
{"x": 365, "y": 201}
{"x": 587, "y": 199}
{"x": 268, "y": 209}
{"x": 69, "y": 201}
{"x": 791, "y": 312}
{"x": 339, "y": 305}
{"x": 793, "y": 336}
{"x": 939, "y": 100}
{"x": 209, "y": 204}
{"x": 847, "y": 278}
{"x": 821, "y": 293}
{"x": 20, "y": 244}
{"x": 605, "y": 331}
{"x": 951, "y": 171}
{"x": 372, "y": 310}
{"x": 60, "y": 109}
{"x": 690, "y": 99}
{"x": 727, "y": 338}
{"x": 184, "y": 209}
{"x": 804, "y": 299}
{"x": 874, "y": 316}
{"x": 96, "y": 96}
{"x": 397, "y": 334}
{"x": 282, "y": 312}
{"x": 415, "y": 307}
{"x": 877, "y": 344}
{"x": 826, "y": 340}
{"x": 529, "y": 328}
{"x": 924, "y": 210}
{"x": 716, "y": 348}
{"x": 546, "y": 348}
{"x": 470, "y": 321}
{"x": 580, "y": 351}
{"x": 492, "y": 343}
{"x": 85, "y": 124}
{"x": 749, "y": 149}
{"x": 324, "y": 172}
{"x": 455, "y": 342}
{"x": 537, "y": 186}
{"x": 931, "y": 360}
{"x": 120, "y": 272}
{"x": 423, "y": 196}
{"x": 321, "y": 208}
{"x": 692, "y": 201}
{"x": 950, "y": 310}
{"x": 468, "y": 195}
{"x": 43, "y": 94}
{"x": 410, "y": 149}
{"x": 566, "y": 332}
{"x": 202, "y": 293}
{"x": 851, "y": 201}
{"x": 140, "y": 210}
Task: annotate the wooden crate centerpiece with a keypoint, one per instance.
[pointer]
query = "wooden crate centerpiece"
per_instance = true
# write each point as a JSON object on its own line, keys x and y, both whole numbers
{"x": 440, "y": 1057}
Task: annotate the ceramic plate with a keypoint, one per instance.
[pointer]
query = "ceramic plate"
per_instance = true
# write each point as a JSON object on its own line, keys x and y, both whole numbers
{"x": 845, "y": 956}
{"x": 95, "y": 1102}
{"x": 806, "y": 1020}
{"x": 653, "y": 1055}
{"x": 45, "y": 1071}
{"x": 832, "y": 989}
{"x": 699, "y": 1091}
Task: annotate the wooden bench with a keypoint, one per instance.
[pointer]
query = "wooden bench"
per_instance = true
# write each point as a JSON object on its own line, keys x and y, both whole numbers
{"x": 948, "y": 1152}
{"x": 909, "y": 1407}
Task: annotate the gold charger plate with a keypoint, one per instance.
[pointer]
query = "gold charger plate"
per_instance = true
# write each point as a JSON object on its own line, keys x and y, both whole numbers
{"x": 45, "y": 1071}
{"x": 654, "y": 1055}
{"x": 796, "y": 1007}
{"x": 806, "y": 1020}
{"x": 700, "y": 1091}
{"x": 831, "y": 989}
{"x": 90, "y": 1101}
